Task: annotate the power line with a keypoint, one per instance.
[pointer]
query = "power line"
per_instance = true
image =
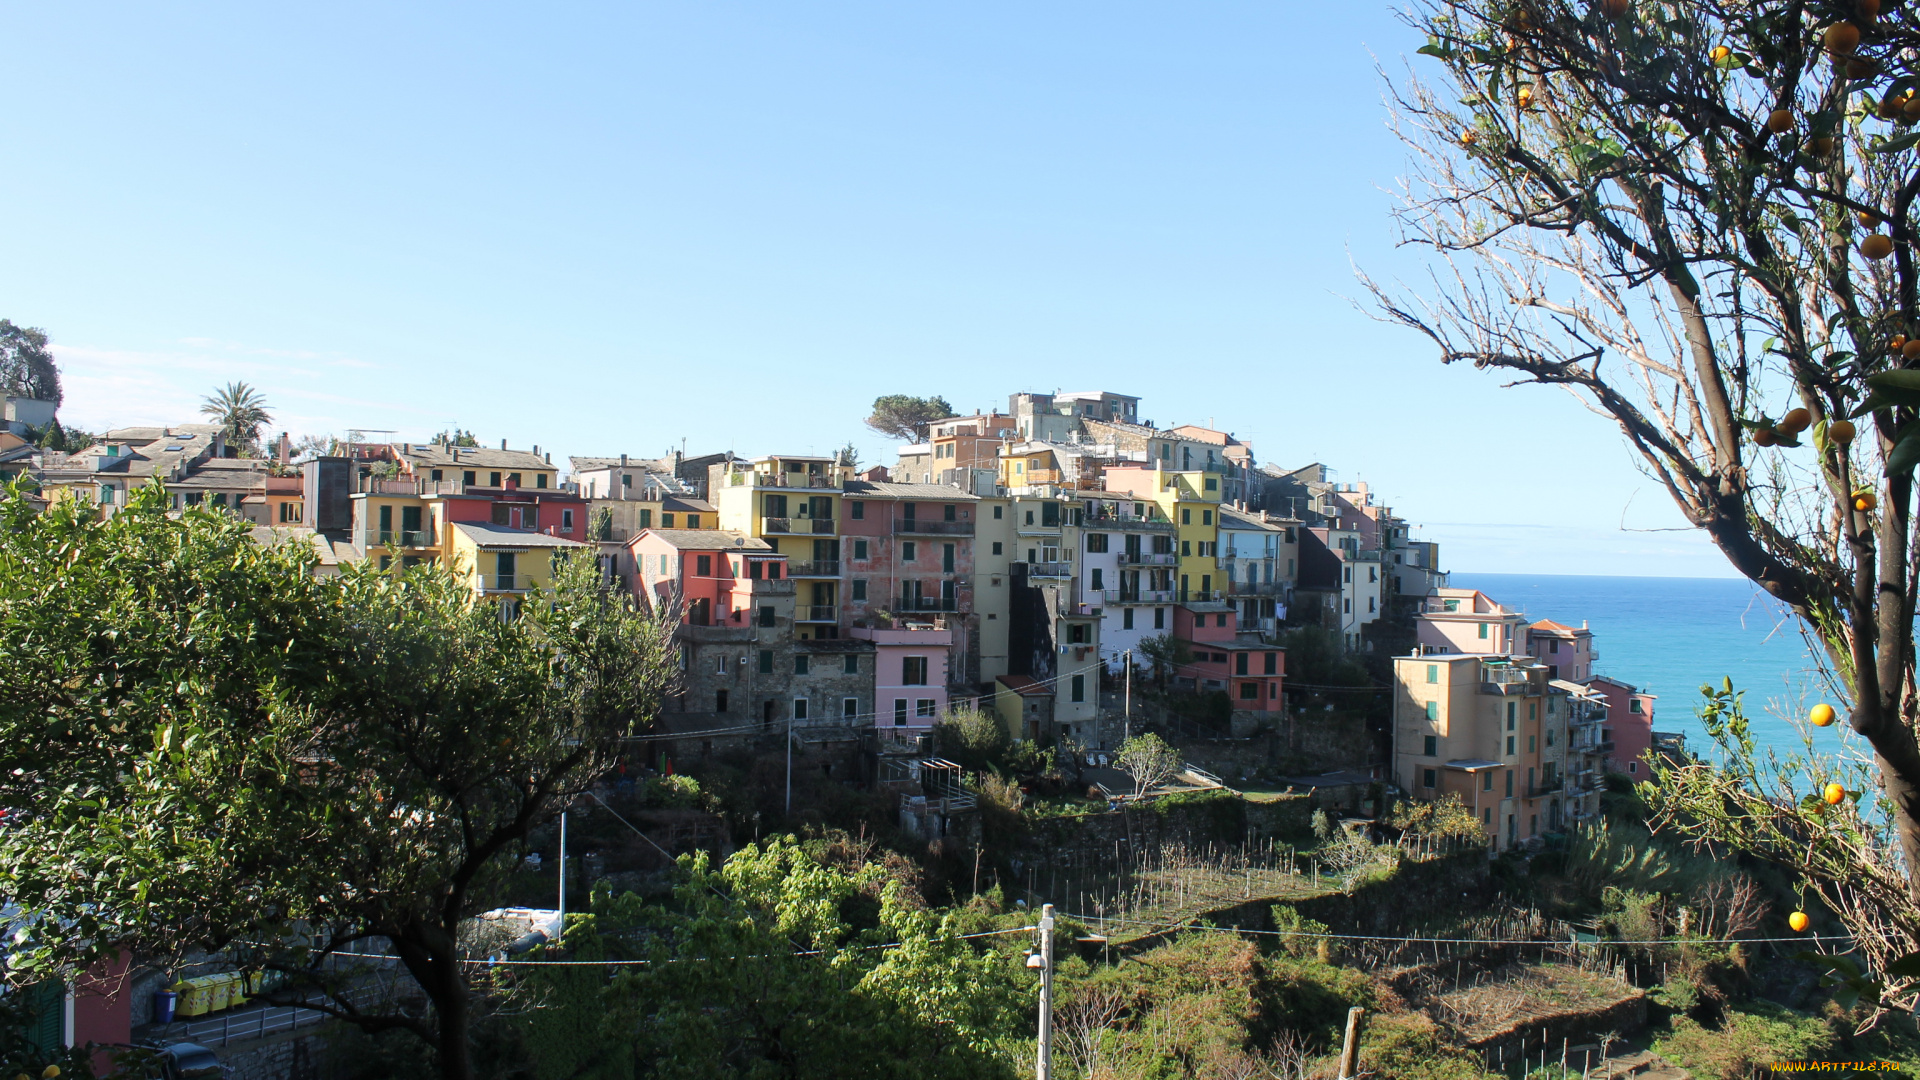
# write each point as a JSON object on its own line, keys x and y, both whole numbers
{"x": 1110, "y": 920}
{"x": 691, "y": 959}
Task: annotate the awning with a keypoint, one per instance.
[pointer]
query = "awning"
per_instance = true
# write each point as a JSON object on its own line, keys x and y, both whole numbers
{"x": 1472, "y": 764}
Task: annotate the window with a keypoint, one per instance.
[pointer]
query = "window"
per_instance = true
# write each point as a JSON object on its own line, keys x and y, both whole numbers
{"x": 859, "y": 588}
{"x": 1219, "y": 619}
{"x": 766, "y": 615}
{"x": 766, "y": 661}
{"x": 693, "y": 521}
{"x": 799, "y": 708}
{"x": 856, "y": 510}
{"x": 1077, "y": 633}
{"x": 850, "y": 664}
{"x": 666, "y": 519}
{"x": 1510, "y": 708}
{"x": 1159, "y": 618}
{"x": 1634, "y": 705}
{"x": 1186, "y": 516}
{"x": 1206, "y": 516}
{"x": 385, "y": 561}
{"x": 666, "y": 567}
{"x": 1486, "y": 781}
{"x": 1270, "y": 664}
{"x": 1431, "y": 746}
{"x": 913, "y": 671}
{"x": 948, "y": 513}
{"x": 540, "y": 480}
{"x": 946, "y": 561}
{"x": 1633, "y": 766}
{"x": 646, "y": 519}
{"x": 924, "y": 706}
{"x": 493, "y": 479}
{"x": 566, "y": 520}
{"x": 1213, "y": 484}
{"x": 1429, "y": 777}
{"x": 1097, "y": 543}
{"x": 899, "y": 712}
{"x": 1050, "y": 515}
{"x": 514, "y": 479}
{"x": 1239, "y": 663}
{"x": 907, "y": 550}
{"x": 1509, "y": 786}
{"x": 626, "y": 480}
{"x": 1533, "y": 710}
{"x": 1510, "y": 747}
{"x": 1433, "y": 673}
{"x": 1250, "y": 691}
{"x": 800, "y": 664}
{"x": 1126, "y": 618}
{"x": 720, "y": 699}
{"x": 1549, "y": 736}
{"x": 1096, "y": 583}
{"x": 1532, "y": 746}
{"x": 1483, "y": 631}
{"x": 849, "y": 708}
{"x": 996, "y": 543}
{"x": 996, "y": 512}
{"x": 1433, "y": 710}
{"x": 1553, "y": 646}
{"x": 1186, "y": 547}
{"x": 859, "y": 549}
{"x": 703, "y": 566}
{"x": 1079, "y": 688}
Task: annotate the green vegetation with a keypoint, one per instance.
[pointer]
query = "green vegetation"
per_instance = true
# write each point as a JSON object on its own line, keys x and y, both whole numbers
{"x": 903, "y": 416}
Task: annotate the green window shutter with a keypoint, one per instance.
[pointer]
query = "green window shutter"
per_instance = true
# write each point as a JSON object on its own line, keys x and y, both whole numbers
{"x": 1433, "y": 710}
{"x": 46, "y": 1016}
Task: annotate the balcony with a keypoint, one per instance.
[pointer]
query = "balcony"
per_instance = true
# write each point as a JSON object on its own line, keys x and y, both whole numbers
{"x": 1149, "y": 558}
{"x": 1049, "y": 570}
{"x": 782, "y": 480}
{"x": 816, "y": 613}
{"x": 1130, "y": 522}
{"x": 1504, "y": 679}
{"x": 769, "y": 586}
{"x": 816, "y": 568}
{"x": 927, "y": 603}
{"x": 406, "y": 538}
{"x": 504, "y": 582}
{"x": 1256, "y": 588}
{"x": 916, "y": 527}
{"x": 1546, "y": 787}
{"x": 796, "y": 525}
{"x": 1139, "y": 596}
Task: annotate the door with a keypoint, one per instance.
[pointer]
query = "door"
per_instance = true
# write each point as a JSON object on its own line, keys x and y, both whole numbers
{"x": 821, "y": 507}
{"x": 946, "y": 557}
{"x": 410, "y": 525}
{"x": 776, "y": 506}
{"x": 1132, "y": 545}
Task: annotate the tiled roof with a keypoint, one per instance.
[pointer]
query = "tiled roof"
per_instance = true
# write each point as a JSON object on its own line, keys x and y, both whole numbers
{"x": 1024, "y": 685}
{"x": 877, "y": 490}
{"x": 431, "y": 454}
{"x": 706, "y": 540}
{"x": 1552, "y": 627}
{"x": 487, "y": 534}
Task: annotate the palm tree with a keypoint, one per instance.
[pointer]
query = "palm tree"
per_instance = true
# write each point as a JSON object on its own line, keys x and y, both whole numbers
{"x": 242, "y": 412}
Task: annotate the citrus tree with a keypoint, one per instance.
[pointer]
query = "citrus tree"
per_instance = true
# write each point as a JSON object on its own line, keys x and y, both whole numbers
{"x": 209, "y": 747}
{"x": 1147, "y": 760}
{"x": 1697, "y": 216}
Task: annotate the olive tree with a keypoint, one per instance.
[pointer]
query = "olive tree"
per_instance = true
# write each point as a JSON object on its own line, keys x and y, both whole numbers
{"x": 1697, "y": 216}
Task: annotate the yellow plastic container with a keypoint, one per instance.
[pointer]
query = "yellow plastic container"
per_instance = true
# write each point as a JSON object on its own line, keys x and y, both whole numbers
{"x": 195, "y": 997}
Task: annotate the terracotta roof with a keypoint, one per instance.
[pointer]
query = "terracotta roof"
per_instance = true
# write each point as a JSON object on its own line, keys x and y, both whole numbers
{"x": 877, "y": 490}
{"x": 1552, "y": 627}
{"x": 1024, "y": 685}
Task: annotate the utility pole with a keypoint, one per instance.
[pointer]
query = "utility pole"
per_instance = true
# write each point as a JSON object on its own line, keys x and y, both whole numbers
{"x": 562, "y": 931}
{"x": 789, "y": 761}
{"x": 1126, "y": 728}
{"x": 1350, "y": 1049}
{"x": 1044, "y": 1070}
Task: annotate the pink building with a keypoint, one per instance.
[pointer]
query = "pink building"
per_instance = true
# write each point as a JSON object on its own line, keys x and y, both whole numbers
{"x": 910, "y": 675}
{"x": 1468, "y": 621}
{"x": 1629, "y": 724}
{"x": 1250, "y": 672}
{"x": 1568, "y": 652}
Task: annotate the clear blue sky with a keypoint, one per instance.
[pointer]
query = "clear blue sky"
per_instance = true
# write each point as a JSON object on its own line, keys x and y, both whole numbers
{"x": 607, "y": 228}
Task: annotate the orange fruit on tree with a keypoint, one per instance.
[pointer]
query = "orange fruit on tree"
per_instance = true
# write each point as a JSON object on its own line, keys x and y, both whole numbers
{"x": 1615, "y": 8}
{"x": 1468, "y": 138}
{"x": 1822, "y": 145}
{"x": 1911, "y": 349}
{"x": 1779, "y": 121}
{"x": 1833, "y": 793}
{"x": 1911, "y": 110}
{"x": 1864, "y": 501}
{"x": 1719, "y": 53}
{"x": 1765, "y": 436}
{"x": 1869, "y": 9}
{"x": 1796, "y": 421}
{"x": 1842, "y": 38}
{"x": 1859, "y": 67}
{"x": 1876, "y": 247}
{"x": 1840, "y": 432}
{"x": 1869, "y": 219}
{"x": 1799, "y": 921}
{"x": 1821, "y": 716}
{"x": 1898, "y": 340}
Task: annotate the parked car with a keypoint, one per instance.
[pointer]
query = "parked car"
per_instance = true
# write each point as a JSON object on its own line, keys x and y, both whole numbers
{"x": 180, "y": 1061}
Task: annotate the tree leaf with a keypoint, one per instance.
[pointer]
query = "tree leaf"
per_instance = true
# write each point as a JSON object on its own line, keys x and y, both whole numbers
{"x": 1906, "y": 452}
{"x": 1894, "y": 146}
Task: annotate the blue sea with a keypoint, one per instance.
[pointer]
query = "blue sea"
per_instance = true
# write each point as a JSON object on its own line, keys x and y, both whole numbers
{"x": 1670, "y": 635}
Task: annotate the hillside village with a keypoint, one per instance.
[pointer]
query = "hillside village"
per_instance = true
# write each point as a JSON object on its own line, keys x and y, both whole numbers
{"x": 948, "y": 655}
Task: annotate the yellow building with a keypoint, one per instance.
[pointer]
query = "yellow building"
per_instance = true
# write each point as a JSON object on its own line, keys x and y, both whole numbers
{"x": 502, "y": 564}
{"x": 1191, "y": 500}
{"x": 793, "y": 503}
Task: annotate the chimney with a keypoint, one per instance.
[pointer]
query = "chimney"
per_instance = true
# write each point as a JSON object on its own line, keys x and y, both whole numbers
{"x": 503, "y": 444}
{"x": 536, "y": 449}
{"x": 623, "y": 461}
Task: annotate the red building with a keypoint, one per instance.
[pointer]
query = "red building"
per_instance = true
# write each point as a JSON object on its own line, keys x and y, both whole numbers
{"x": 907, "y": 549}
{"x": 1629, "y": 724}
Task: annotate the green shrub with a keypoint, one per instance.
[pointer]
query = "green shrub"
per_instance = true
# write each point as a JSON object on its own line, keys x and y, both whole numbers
{"x": 1750, "y": 1036}
{"x": 1410, "y": 1046}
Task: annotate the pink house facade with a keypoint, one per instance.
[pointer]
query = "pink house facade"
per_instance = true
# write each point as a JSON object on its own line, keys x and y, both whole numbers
{"x": 910, "y": 675}
{"x": 1567, "y": 651}
{"x": 1629, "y": 725}
{"x": 1251, "y": 672}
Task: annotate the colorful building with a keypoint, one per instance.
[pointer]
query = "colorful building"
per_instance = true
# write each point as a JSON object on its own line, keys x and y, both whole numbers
{"x": 793, "y": 503}
{"x": 1628, "y": 737}
{"x": 1126, "y": 571}
{"x": 476, "y": 466}
{"x": 911, "y": 674}
{"x": 1249, "y": 671}
{"x": 1468, "y": 621}
{"x": 504, "y": 565}
{"x": 1191, "y": 500}
{"x": 1567, "y": 651}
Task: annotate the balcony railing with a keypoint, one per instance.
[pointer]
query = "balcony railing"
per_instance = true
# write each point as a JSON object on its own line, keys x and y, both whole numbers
{"x": 1049, "y": 570}
{"x": 928, "y": 603}
{"x": 1256, "y": 588}
{"x": 1153, "y": 522}
{"x": 816, "y": 568}
{"x": 1503, "y": 676}
{"x": 816, "y": 613}
{"x": 770, "y": 586}
{"x": 502, "y": 582}
{"x": 781, "y": 480}
{"x": 934, "y": 528}
{"x": 1139, "y": 596}
{"x": 1546, "y": 787}
{"x": 1149, "y": 558}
